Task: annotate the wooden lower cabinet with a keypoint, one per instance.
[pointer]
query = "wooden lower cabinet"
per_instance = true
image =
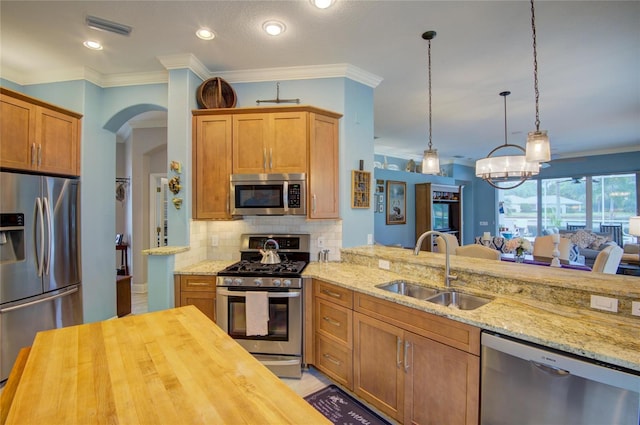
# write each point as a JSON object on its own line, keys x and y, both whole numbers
{"x": 442, "y": 384}
{"x": 333, "y": 332}
{"x": 378, "y": 362}
{"x": 414, "y": 379}
{"x": 197, "y": 290}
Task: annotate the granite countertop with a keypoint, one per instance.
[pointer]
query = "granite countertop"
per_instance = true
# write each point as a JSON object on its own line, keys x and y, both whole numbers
{"x": 165, "y": 250}
{"x": 513, "y": 311}
{"x": 594, "y": 335}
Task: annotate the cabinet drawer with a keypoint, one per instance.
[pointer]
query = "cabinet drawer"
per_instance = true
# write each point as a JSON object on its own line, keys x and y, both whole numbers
{"x": 197, "y": 283}
{"x": 335, "y": 360}
{"x": 333, "y": 293}
{"x": 334, "y": 321}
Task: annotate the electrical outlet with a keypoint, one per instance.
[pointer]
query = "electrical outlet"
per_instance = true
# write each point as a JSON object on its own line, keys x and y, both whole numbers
{"x": 604, "y": 303}
{"x": 384, "y": 264}
{"x": 369, "y": 239}
{"x": 321, "y": 242}
{"x": 214, "y": 240}
{"x": 635, "y": 308}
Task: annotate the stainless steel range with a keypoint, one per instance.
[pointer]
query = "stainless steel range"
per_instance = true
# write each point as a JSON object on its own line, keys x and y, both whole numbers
{"x": 268, "y": 280}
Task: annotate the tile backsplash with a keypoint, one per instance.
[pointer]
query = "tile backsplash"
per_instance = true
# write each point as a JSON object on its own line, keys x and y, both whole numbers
{"x": 225, "y": 235}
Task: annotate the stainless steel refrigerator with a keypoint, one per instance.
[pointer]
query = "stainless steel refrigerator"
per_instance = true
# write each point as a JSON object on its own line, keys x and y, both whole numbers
{"x": 40, "y": 280}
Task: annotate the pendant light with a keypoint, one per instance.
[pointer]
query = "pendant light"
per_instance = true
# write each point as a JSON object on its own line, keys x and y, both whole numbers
{"x": 430, "y": 161}
{"x": 508, "y": 171}
{"x": 538, "y": 147}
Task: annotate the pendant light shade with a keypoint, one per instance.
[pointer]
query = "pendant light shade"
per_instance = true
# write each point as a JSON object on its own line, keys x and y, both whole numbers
{"x": 506, "y": 171}
{"x": 430, "y": 161}
{"x": 538, "y": 146}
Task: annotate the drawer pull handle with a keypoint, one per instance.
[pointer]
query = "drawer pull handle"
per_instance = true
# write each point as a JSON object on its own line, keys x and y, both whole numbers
{"x": 199, "y": 284}
{"x": 331, "y": 321}
{"x": 332, "y": 360}
{"x": 331, "y": 293}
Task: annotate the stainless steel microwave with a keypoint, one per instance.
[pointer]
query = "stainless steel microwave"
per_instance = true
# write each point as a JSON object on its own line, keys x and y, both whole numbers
{"x": 268, "y": 194}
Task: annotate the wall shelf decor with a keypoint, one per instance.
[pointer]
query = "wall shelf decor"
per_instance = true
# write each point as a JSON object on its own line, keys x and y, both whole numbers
{"x": 360, "y": 189}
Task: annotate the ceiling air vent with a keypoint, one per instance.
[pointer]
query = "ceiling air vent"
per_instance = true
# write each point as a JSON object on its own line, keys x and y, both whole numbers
{"x": 104, "y": 25}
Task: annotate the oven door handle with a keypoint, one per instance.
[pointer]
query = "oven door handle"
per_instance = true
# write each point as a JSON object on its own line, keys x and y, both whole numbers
{"x": 293, "y": 294}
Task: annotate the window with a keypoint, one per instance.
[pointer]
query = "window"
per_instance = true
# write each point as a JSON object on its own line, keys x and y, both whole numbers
{"x": 563, "y": 203}
{"x": 569, "y": 203}
{"x": 519, "y": 209}
{"x": 614, "y": 201}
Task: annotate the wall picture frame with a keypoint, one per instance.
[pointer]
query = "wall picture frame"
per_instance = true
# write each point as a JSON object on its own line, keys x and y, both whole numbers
{"x": 396, "y": 202}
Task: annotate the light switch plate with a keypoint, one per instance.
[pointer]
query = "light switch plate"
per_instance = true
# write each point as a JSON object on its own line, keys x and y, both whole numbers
{"x": 635, "y": 308}
{"x": 604, "y": 303}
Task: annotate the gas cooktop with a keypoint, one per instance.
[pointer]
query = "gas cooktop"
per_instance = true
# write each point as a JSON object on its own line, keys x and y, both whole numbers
{"x": 285, "y": 268}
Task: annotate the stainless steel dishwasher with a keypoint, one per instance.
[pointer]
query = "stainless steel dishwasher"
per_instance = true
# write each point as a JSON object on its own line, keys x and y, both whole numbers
{"x": 522, "y": 383}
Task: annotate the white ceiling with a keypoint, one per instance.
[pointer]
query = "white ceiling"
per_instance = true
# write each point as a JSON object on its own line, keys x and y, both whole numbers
{"x": 588, "y": 59}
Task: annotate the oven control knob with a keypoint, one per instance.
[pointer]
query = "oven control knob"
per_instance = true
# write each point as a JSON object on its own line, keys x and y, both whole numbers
{"x": 237, "y": 281}
{"x": 257, "y": 282}
{"x": 276, "y": 282}
{"x": 228, "y": 281}
{"x": 287, "y": 282}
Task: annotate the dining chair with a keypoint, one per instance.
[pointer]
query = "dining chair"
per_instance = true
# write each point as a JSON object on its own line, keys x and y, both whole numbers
{"x": 576, "y": 226}
{"x": 615, "y": 230}
{"x": 452, "y": 243}
{"x": 608, "y": 260}
{"x": 543, "y": 248}
{"x": 478, "y": 251}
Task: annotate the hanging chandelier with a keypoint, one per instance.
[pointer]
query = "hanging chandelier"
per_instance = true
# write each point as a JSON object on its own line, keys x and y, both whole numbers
{"x": 430, "y": 161}
{"x": 507, "y": 171}
{"x": 538, "y": 147}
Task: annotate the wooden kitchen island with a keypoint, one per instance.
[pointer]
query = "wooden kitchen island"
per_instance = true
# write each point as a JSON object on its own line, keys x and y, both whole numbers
{"x": 168, "y": 367}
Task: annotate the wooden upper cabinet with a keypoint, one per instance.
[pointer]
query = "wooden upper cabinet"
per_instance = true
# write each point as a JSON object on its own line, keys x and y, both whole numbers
{"x": 270, "y": 143}
{"x": 277, "y": 139}
{"x": 36, "y": 136}
{"x": 323, "y": 191}
{"x": 17, "y": 133}
{"x": 211, "y": 166}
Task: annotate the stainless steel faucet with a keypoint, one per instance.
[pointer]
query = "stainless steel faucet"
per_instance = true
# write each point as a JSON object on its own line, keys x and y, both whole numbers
{"x": 447, "y": 276}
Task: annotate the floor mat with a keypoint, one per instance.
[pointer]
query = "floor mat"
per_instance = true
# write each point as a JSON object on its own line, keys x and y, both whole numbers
{"x": 342, "y": 409}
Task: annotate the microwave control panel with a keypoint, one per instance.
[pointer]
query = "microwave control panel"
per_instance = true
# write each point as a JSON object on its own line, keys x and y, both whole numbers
{"x": 294, "y": 195}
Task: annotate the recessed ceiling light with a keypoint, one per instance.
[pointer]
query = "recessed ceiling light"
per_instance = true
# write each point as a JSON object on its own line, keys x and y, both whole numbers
{"x": 205, "y": 34}
{"x": 322, "y": 4}
{"x": 93, "y": 45}
{"x": 274, "y": 27}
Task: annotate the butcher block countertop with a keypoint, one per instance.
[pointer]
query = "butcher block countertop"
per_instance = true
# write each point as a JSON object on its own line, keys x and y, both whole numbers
{"x": 168, "y": 367}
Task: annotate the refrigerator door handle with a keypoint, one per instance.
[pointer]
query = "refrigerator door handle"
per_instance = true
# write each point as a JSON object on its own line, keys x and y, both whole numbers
{"x": 42, "y": 300}
{"x": 47, "y": 258}
{"x": 39, "y": 242}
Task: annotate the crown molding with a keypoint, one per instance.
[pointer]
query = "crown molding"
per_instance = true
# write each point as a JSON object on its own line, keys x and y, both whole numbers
{"x": 189, "y": 61}
{"x": 186, "y": 60}
{"x": 301, "y": 73}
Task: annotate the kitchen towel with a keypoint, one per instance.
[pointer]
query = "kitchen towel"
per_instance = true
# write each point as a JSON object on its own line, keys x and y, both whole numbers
{"x": 257, "y": 312}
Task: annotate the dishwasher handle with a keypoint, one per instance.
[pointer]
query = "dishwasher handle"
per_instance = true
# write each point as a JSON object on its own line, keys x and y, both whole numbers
{"x": 551, "y": 370}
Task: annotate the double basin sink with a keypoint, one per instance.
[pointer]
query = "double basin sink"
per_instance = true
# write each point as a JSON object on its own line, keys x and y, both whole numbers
{"x": 447, "y": 298}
